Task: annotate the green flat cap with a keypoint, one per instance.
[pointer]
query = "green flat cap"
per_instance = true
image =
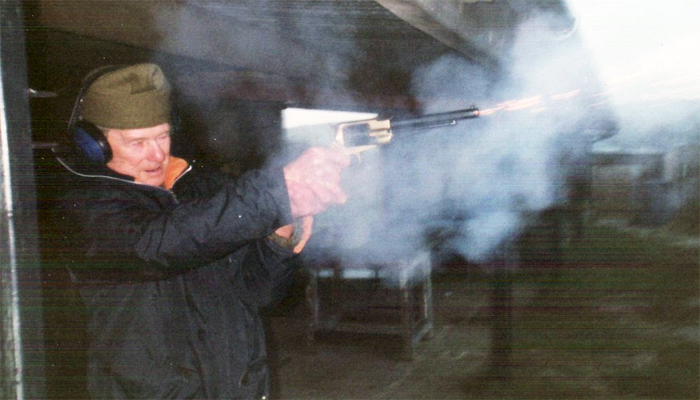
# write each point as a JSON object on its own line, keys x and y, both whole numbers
{"x": 136, "y": 96}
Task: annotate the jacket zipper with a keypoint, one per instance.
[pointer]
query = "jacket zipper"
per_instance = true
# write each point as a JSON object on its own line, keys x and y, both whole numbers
{"x": 188, "y": 169}
{"x": 172, "y": 194}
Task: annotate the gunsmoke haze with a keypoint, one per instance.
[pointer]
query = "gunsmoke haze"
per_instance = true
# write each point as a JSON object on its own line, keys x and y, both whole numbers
{"x": 648, "y": 60}
{"x": 473, "y": 187}
{"x": 470, "y": 188}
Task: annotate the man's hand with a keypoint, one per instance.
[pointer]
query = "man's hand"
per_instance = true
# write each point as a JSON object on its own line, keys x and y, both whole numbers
{"x": 294, "y": 236}
{"x": 313, "y": 180}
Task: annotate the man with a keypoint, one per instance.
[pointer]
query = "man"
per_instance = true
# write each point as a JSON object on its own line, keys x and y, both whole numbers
{"x": 173, "y": 264}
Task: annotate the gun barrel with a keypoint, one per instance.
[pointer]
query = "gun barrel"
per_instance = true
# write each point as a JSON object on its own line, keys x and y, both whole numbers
{"x": 433, "y": 120}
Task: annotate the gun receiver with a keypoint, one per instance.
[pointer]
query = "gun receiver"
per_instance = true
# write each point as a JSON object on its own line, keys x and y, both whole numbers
{"x": 359, "y": 136}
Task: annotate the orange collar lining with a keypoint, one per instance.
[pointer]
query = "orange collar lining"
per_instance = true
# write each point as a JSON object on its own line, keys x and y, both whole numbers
{"x": 176, "y": 166}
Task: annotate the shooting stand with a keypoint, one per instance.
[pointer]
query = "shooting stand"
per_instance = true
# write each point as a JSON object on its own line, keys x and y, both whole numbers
{"x": 373, "y": 299}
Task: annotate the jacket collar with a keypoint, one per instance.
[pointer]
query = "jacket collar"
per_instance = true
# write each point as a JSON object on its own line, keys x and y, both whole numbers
{"x": 177, "y": 167}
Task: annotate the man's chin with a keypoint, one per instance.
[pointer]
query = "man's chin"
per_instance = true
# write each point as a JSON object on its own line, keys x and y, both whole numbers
{"x": 151, "y": 180}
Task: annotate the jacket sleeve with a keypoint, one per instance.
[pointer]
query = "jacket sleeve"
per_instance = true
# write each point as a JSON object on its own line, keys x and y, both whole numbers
{"x": 263, "y": 273}
{"x": 127, "y": 238}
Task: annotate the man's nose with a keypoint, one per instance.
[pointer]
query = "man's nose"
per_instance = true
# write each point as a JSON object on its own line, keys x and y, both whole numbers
{"x": 157, "y": 152}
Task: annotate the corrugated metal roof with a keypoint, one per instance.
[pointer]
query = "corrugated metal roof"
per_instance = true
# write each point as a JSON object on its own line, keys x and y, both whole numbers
{"x": 363, "y": 46}
{"x": 356, "y": 28}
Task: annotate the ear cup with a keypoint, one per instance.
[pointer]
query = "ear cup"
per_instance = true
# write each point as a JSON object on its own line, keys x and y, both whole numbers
{"x": 92, "y": 143}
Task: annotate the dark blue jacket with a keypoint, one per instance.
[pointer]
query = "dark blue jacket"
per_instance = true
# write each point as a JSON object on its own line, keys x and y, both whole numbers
{"x": 173, "y": 280}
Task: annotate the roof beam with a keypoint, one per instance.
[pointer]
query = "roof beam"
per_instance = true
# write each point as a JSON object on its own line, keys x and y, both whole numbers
{"x": 467, "y": 26}
{"x": 176, "y": 27}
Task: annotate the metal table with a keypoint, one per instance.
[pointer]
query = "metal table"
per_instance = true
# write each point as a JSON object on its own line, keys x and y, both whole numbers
{"x": 391, "y": 299}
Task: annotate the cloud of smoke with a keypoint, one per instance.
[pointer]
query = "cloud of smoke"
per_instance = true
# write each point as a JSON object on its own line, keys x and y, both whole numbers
{"x": 648, "y": 60}
{"x": 539, "y": 126}
{"x": 470, "y": 188}
{"x": 263, "y": 35}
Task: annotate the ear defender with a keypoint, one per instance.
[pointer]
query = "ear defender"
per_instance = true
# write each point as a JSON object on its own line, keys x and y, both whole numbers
{"x": 85, "y": 136}
{"x": 92, "y": 143}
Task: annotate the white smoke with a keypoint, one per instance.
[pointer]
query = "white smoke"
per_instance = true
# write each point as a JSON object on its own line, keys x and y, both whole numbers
{"x": 469, "y": 188}
{"x": 647, "y": 56}
{"x": 494, "y": 173}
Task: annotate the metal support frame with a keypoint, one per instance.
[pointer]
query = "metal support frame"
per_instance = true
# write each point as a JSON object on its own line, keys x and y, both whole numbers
{"x": 389, "y": 299}
{"x": 21, "y": 321}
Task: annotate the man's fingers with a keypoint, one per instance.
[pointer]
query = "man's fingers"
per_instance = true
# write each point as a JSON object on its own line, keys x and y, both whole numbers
{"x": 313, "y": 180}
{"x": 307, "y": 226}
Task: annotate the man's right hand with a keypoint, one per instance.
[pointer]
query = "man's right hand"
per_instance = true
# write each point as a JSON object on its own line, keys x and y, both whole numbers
{"x": 313, "y": 180}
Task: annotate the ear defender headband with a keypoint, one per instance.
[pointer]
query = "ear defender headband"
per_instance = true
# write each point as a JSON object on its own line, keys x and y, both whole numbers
{"x": 88, "y": 138}
{"x": 118, "y": 97}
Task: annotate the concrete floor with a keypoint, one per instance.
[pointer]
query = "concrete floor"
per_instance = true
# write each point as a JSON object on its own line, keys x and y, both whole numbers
{"x": 618, "y": 321}
{"x": 374, "y": 366}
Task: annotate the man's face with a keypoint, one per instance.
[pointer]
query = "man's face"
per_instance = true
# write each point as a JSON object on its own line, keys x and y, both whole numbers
{"x": 142, "y": 153}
